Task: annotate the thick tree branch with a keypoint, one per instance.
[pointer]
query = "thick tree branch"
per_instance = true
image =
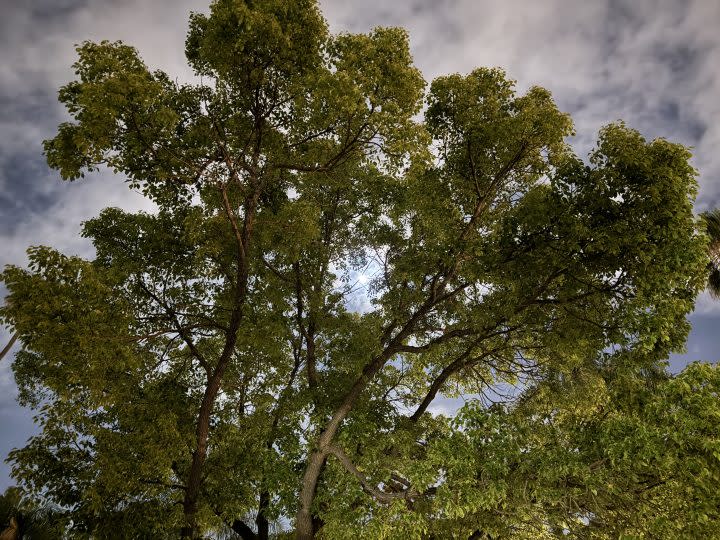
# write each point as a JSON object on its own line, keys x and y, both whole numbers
{"x": 316, "y": 459}
{"x": 242, "y": 528}
{"x": 461, "y": 362}
{"x": 382, "y": 496}
{"x": 447, "y": 336}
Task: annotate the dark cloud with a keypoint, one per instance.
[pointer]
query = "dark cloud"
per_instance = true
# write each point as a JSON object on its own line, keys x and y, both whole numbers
{"x": 49, "y": 11}
{"x": 27, "y": 190}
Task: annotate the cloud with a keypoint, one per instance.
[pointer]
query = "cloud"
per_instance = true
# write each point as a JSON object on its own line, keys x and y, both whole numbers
{"x": 16, "y": 422}
{"x": 706, "y": 305}
{"x": 653, "y": 64}
{"x": 37, "y": 208}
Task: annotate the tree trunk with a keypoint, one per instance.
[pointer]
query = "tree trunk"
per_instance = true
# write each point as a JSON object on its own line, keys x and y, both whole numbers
{"x": 304, "y": 527}
{"x": 263, "y": 525}
{"x": 199, "y": 455}
{"x": 316, "y": 459}
{"x": 194, "y": 483}
{"x": 202, "y": 431}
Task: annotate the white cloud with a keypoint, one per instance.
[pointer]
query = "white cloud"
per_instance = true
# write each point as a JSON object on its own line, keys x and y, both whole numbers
{"x": 603, "y": 61}
{"x": 59, "y": 225}
{"x": 707, "y": 305}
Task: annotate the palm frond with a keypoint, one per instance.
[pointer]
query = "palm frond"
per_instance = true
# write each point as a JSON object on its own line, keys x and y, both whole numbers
{"x": 711, "y": 220}
{"x": 713, "y": 282}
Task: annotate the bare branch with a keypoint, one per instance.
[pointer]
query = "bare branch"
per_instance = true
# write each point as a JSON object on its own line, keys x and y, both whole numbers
{"x": 9, "y": 345}
{"x": 447, "y": 336}
{"x": 181, "y": 330}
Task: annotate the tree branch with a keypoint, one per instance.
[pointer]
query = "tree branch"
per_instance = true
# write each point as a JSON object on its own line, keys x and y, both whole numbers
{"x": 382, "y": 496}
{"x": 233, "y": 223}
{"x": 9, "y": 345}
{"x": 447, "y": 336}
{"x": 242, "y": 528}
{"x": 306, "y": 333}
{"x": 182, "y": 331}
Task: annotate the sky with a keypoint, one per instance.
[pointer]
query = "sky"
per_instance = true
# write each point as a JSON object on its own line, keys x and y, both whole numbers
{"x": 653, "y": 63}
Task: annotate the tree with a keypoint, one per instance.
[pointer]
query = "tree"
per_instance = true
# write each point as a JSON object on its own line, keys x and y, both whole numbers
{"x": 711, "y": 219}
{"x": 215, "y": 363}
{"x": 633, "y": 460}
{"x": 21, "y": 519}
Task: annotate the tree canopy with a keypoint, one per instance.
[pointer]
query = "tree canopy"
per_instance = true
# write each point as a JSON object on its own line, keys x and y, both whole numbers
{"x": 335, "y": 249}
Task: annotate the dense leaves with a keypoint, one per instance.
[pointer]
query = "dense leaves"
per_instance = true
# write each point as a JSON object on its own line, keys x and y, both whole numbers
{"x": 323, "y": 266}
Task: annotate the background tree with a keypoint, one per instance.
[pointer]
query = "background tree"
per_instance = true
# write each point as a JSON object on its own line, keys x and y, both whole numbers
{"x": 711, "y": 220}
{"x": 216, "y": 365}
{"x": 21, "y": 519}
